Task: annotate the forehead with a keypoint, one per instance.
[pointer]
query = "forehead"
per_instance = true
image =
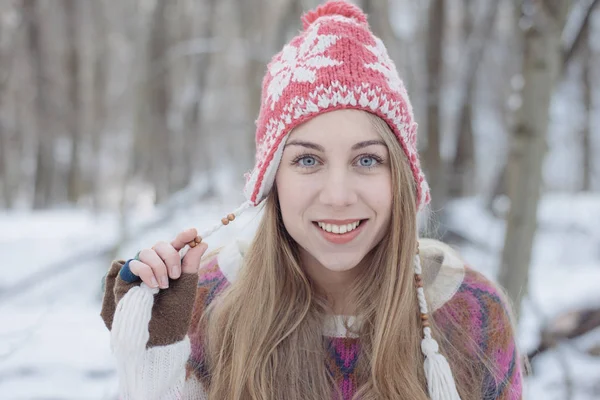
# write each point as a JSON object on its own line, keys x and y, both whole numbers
{"x": 336, "y": 128}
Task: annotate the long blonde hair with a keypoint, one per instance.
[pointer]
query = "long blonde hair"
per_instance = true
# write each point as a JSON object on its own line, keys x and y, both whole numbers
{"x": 264, "y": 334}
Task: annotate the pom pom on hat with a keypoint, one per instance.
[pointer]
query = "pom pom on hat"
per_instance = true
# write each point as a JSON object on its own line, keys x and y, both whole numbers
{"x": 334, "y": 7}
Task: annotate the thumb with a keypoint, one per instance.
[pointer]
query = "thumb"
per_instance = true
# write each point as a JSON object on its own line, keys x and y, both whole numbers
{"x": 191, "y": 260}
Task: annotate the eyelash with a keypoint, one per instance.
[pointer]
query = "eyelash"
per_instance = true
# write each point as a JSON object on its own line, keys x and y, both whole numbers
{"x": 375, "y": 157}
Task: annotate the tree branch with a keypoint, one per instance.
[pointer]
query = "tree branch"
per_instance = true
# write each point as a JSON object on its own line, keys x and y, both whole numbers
{"x": 571, "y": 49}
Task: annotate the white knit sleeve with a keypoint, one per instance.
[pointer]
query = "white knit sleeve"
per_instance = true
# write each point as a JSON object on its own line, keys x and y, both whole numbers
{"x": 156, "y": 373}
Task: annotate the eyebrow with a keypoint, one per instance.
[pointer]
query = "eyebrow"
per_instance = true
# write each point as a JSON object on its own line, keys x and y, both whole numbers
{"x": 317, "y": 147}
{"x": 367, "y": 143}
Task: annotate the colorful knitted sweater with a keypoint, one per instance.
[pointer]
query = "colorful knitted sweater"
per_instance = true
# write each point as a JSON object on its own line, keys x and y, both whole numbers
{"x": 158, "y": 346}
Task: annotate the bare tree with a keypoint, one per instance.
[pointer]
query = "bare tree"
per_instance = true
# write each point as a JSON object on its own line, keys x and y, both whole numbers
{"x": 587, "y": 147}
{"x": 478, "y": 36}
{"x": 73, "y": 112}
{"x": 581, "y": 44}
{"x": 580, "y": 37}
{"x": 432, "y": 156}
{"x": 251, "y": 19}
{"x": 543, "y": 22}
{"x": 152, "y": 146}
{"x": 5, "y": 69}
{"x": 44, "y": 170}
{"x": 204, "y": 22}
{"x": 99, "y": 109}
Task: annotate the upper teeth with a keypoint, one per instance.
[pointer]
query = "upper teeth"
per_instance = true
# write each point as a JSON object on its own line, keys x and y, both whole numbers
{"x": 338, "y": 228}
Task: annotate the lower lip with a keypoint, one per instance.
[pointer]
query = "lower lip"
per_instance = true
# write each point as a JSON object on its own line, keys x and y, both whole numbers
{"x": 341, "y": 238}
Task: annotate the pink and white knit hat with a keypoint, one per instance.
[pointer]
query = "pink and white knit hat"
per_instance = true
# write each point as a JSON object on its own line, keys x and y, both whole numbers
{"x": 337, "y": 63}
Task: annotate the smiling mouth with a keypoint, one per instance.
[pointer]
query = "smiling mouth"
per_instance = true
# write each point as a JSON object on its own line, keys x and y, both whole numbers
{"x": 339, "y": 228}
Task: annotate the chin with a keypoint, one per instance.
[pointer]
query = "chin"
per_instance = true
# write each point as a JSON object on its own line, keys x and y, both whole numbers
{"x": 339, "y": 263}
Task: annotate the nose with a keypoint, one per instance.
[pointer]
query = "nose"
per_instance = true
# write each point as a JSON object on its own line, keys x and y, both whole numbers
{"x": 337, "y": 190}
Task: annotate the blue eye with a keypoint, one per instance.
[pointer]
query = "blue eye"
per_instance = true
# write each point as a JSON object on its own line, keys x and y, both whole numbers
{"x": 368, "y": 161}
{"x": 306, "y": 161}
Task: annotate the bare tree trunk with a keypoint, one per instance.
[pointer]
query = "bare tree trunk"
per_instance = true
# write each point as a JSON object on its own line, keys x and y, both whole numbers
{"x": 509, "y": 68}
{"x": 72, "y": 33}
{"x": 463, "y": 167}
{"x": 99, "y": 107}
{"x": 44, "y": 170}
{"x": 587, "y": 146}
{"x": 432, "y": 156}
{"x": 139, "y": 160}
{"x": 194, "y": 121}
{"x": 581, "y": 36}
{"x": 5, "y": 176}
{"x": 288, "y": 22}
{"x": 19, "y": 137}
{"x": 541, "y": 67}
{"x": 251, "y": 17}
{"x": 158, "y": 102}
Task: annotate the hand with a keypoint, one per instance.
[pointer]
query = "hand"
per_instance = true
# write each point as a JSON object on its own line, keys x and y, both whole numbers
{"x": 161, "y": 262}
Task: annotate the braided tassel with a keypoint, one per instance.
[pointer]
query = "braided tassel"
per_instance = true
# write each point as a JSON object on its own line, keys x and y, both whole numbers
{"x": 440, "y": 382}
{"x": 224, "y": 221}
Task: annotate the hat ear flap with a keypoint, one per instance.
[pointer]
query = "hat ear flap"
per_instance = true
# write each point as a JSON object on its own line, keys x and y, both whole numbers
{"x": 260, "y": 181}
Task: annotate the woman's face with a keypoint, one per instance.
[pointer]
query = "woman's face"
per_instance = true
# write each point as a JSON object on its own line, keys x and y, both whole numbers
{"x": 335, "y": 192}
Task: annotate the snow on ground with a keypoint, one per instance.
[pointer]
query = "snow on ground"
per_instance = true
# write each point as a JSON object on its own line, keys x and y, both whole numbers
{"x": 53, "y": 344}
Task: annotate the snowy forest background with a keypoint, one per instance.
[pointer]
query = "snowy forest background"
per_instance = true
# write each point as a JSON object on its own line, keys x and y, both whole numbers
{"x": 123, "y": 122}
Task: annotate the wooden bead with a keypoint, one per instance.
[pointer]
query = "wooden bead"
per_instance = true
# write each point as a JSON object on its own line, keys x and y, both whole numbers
{"x": 425, "y": 324}
{"x": 225, "y": 221}
{"x": 418, "y": 280}
{"x": 192, "y": 244}
{"x": 231, "y": 217}
{"x": 424, "y": 317}
{"x": 198, "y": 240}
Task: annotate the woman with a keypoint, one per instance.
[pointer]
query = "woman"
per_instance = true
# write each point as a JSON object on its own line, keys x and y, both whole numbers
{"x": 333, "y": 298}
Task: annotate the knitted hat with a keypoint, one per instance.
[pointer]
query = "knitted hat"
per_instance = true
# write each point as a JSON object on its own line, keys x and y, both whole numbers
{"x": 337, "y": 63}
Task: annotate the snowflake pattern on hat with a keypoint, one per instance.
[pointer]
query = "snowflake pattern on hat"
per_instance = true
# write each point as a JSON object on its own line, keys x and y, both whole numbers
{"x": 384, "y": 65}
{"x": 299, "y": 64}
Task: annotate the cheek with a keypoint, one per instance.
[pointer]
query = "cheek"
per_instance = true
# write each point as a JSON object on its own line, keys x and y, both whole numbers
{"x": 381, "y": 202}
{"x": 291, "y": 198}
{"x": 379, "y": 195}
{"x": 296, "y": 191}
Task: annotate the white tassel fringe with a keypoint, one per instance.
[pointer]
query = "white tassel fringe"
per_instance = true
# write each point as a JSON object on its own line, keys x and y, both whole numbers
{"x": 440, "y": 382}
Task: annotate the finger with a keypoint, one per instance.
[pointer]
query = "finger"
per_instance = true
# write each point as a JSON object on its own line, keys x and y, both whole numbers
{"x": 144, "y": 272}
{"x": 149, "y": 257}
{"x": 183, "y": 238}
{"x": 170, "y": 256}
{"x": 191, "y": 261}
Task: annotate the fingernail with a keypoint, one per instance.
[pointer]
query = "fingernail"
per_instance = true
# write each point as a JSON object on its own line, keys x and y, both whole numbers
{"x": 174, "y": 271}
{"x": 164, "y": 281}
{"x": 154, "y": 283}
